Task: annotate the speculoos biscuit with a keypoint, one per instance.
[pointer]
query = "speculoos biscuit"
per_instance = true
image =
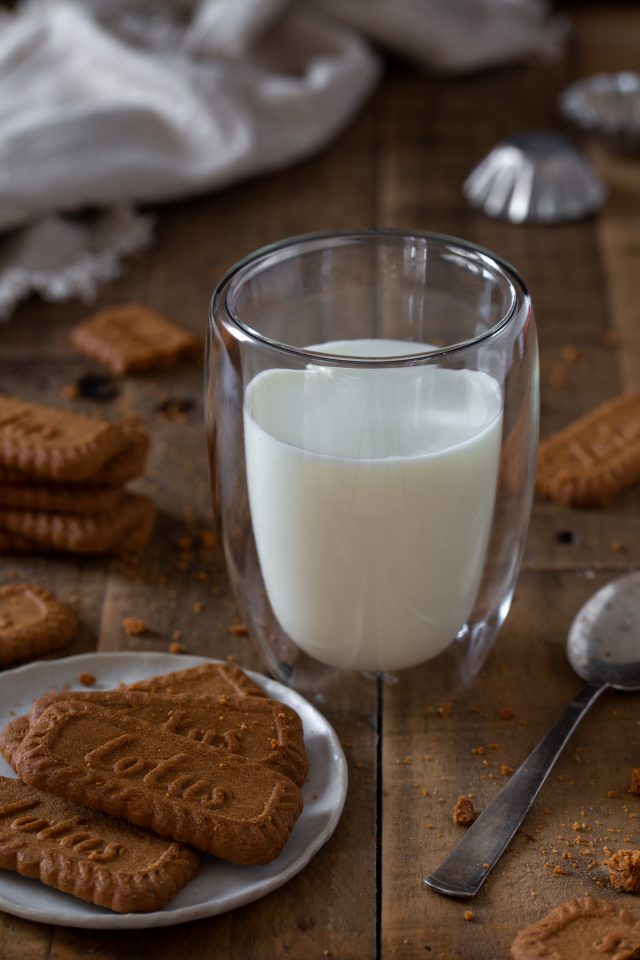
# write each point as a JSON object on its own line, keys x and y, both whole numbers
{"x": 32, "y": 622}
{"x": 130, "y": 462}
{"x": 127, "y": 528}
{"x": 124, "y": 466}
{"x": 54, "y": 444}
{"x": 193, "y": 792}
{"x": 257, "y": 728}
{"x": 127, "y": 464}
{"x": 594, "y": 458}
{"x": 578, "y": 930}
{"x": 78, "y": 851}
{"x": 58, "y": 498}
{"x": 207, "y": 679}
{"x": 132, "y": 338}
{"x": 12, "y": 735}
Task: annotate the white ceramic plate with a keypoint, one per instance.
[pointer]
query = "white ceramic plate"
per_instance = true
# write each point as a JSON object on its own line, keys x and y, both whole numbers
{"x": 219, "y": 886}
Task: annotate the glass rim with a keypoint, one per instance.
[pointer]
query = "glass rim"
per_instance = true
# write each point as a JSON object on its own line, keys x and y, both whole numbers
{"x": 224, "y": 287}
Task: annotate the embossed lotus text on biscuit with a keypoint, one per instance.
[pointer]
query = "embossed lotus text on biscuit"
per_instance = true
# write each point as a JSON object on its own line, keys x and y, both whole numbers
{"x": 112, "y": 757}
{"x": 68, "y": 833}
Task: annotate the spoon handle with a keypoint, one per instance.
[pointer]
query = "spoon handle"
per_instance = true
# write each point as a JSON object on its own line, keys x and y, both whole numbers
{"x": 468, "y": 865}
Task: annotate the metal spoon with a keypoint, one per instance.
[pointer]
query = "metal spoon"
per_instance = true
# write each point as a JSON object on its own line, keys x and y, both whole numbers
{"x": 603, "y": 647}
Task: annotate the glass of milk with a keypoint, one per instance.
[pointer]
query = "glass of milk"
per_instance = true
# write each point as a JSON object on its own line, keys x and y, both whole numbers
{"x": 372, "y": 404}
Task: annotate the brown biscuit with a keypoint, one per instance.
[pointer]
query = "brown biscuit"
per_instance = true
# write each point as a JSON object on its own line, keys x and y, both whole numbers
{"x": 624, "y": 870}
{"x": 124, "y": 466}
{"x": 59, "y": 498}
{"x": 585, "y": 929}
{"x": 259, "y": 729}
{"x": 10, "y": 543}
{"x": 129, "y": 463}
{"x": 132, "y": 338}
{"x": 54, "y": 444}
{"x": 228, "y": 806}
{"x": 208, "y": 679}
{"x": 107, "y": 862}
{"x": 126, "y": 529}
{"x": 12, "y": 736}
{"x": 594, "y": 458}
{"x": 32, "y": 622}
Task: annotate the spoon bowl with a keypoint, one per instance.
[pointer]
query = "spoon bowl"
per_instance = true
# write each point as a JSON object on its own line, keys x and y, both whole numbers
{"x": 603, "y": 644}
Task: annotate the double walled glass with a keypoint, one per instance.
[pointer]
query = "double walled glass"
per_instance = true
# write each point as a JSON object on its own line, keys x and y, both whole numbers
{"x": 372, "y": 405}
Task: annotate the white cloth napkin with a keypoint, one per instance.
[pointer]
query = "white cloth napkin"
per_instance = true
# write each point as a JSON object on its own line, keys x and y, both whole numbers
{"x": 111, "y": 102}
{"x": 87, "y": 118}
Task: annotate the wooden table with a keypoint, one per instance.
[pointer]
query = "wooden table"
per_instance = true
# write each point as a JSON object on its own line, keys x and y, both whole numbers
{"x": 400, "y": 164}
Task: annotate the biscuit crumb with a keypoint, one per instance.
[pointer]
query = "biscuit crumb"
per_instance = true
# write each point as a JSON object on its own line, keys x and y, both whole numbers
{"x": 559, "y": 872}
{"x": 570, "y": 353}
{"x": 616, "y": 547}
{"x": 506, "y": 713}
{"x": 464, "y": 813}
{"x": 611, "y": 794}
{"x": 479, "y": 751}
{"x": 468, "y": 915}
{"x": 176, "y": 647}
{"x": 506, "y": 770}
{"x": 238, "y": 630}
{"x": 444, "y": 710}
{"x": 624, "y": 870}
{"x": 134, "y": 626}
{"x": 635, "y": 781}
{"x": 87, "y": 679}
{"x": 71, "y": 391}
{"x": 198, "y": 606}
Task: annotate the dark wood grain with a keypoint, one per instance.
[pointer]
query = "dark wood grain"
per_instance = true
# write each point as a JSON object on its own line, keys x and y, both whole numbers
{"x": 401, "y": 163}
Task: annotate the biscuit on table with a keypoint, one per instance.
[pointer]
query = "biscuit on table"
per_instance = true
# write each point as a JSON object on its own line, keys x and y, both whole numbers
{"x": 594, "y": 458}
{"x": 132, "y": 338}
{"x": 208, "y": 679}
{"x": 32, "y": 622}
{"x": 199, "y": 794}
{"x": 78, "y": 851}
{"x": 577, "y": 930}
{"x": 257, "y": 728}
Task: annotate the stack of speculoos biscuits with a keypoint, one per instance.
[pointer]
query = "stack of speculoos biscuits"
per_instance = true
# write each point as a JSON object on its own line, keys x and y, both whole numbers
{"x": 200, "y": 758}
{"x": 62, "y": 482}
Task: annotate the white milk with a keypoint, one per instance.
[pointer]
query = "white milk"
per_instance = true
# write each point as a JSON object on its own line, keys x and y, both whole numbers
{"x": 371, "y": 495}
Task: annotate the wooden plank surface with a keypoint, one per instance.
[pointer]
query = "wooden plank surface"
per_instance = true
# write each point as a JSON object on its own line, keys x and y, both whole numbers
{"x": 400, "y": 164}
